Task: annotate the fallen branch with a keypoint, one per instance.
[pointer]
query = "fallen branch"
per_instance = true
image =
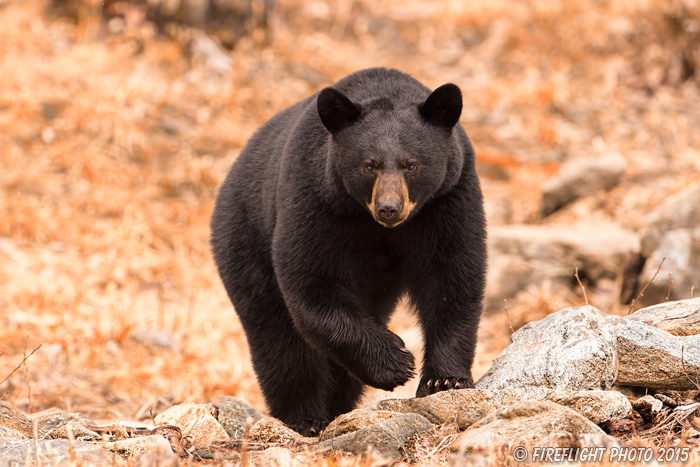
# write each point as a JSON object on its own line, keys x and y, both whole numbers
{"x": 585, "y": 297}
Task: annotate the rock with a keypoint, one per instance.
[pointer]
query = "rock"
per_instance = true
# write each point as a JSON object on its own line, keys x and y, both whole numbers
{"x": 678, "y": 211}
{"x": 271, "y": 430}
{"x": 156, "y": 459}
{"x": 273, "y": 457}
{"x": 581, "y": 177}
{"x": 529, "y": 423}
{"x": 680, "y": 318}
{"x": 233, "y": 413}
{"x": 466, "y": 406}
{"x": 521, "y": 256}
{"x": 650, "y": 357}
{"x": 57, "y": 424}
{"x": 597, "y": 406}
{"x": 648, "y": 406}
{"x": 680, "y": 252}
{"x": 356, "y": 420}
{"x": 9, "y": 434}
{"x": 133, "y": 447}
{"x": 17, "y": 420}
{"x": 196, "y": 421}
{"x": 385, "y": 438}
{"x": 572, "y": 349}
{"x": 55, "y": 452}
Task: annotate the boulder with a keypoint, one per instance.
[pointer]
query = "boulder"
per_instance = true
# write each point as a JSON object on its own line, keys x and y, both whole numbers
{"x": 521, "y": 256}
{"x": 466, "y": 406}
{"x": 529, "y": 424}
{"x": 573, "y": 349}
{"x": 679, "y": 211}
{"x": 273, "y": 457}
{"x": 385, "y": 438}
{"x": 233, "y": 413}
{"x": 271, "y": 430}
{"x": 680, "y": 318}
{"x": 196, "y": 421}
{"x": 650, "y": 357}
{"x": 581, "y": 177}
{"x": 679, "y": 250}
{"x": 18, "y": 421}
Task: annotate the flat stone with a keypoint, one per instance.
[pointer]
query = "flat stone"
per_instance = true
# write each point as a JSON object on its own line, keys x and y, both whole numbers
{"x": 55, "y": 452}
{"x": 233, "y": 413}
{"x": 528, "y": 423}
{"x": 196, "y": 421}
{"x": 354, "y": 421}
{"x": 467, "y": 406}
{"x": 521, "y": 256}
{"x": 133, "y": 447}
{"x": 680, "y": 318}
{"x": 385, "y": 438}
{"x": 572, "y": 349}
{"x": 581, "y": 177}
{"x": 650, "y": 357}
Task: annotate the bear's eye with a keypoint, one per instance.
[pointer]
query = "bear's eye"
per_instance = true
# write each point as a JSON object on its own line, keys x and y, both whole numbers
{"x": 369, "y": 168}
{"x": 410, "y": 167}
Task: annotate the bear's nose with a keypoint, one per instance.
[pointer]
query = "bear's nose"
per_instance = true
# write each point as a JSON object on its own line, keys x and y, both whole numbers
{"x": 388, "y": 210}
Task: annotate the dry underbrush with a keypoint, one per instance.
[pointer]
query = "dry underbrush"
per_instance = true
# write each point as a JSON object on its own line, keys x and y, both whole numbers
{"x": 113, "y": 141}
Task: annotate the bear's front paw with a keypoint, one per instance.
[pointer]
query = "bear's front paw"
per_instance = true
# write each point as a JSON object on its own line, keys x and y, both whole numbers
{"x": 433, "y": 385}
{"x": 395, "y": 366}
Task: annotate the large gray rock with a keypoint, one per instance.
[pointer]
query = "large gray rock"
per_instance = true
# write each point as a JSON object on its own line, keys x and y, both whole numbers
{"x": 521, "y": 256}
{"x": 679, "y": 250}
{"x": 678, "y": 211}
{"x": 55, "y": 452}
{"x": 581, "y": 177}
{"x": 233, "y": 413}
{"x": 385, "y": 438}
{"x": 680, "y": 318}
{"x": 650, "y": 357}
{"x": 528, "y": 423}
{"x": 573, "y": 349}
{"x": 466, "y": 406}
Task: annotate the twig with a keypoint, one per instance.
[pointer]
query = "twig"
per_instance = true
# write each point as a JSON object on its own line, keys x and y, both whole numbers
{"x": 641, "y": 294}
{"x": 510, "y": 325}
{"x": 26, "y": 376}
{"x": 20, "y": 364}
{"x": 695, "y": 381}
{"x": 585, "y": 297}
{"x": 670, "y": 282}
{"x": 692, "y": 289}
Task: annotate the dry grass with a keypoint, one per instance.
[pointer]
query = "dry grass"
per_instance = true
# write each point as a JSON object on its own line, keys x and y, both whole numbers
{"x": 112, "y": 147}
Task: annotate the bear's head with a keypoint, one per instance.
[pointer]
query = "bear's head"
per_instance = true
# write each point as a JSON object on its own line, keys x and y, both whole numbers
{"x": 393, "y": 157}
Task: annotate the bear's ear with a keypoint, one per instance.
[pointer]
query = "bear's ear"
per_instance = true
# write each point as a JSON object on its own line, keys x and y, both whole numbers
{"x": 337, "y": 112}
{"x": 443, "y": 107}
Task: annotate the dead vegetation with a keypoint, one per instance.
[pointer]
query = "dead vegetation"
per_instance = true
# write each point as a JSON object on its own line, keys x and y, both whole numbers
{"x": 114, "y": 139}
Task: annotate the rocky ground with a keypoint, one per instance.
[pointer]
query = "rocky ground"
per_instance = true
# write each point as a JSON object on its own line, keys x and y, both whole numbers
{"x": 578, "y": 379}
{"x": 115, "y": 135}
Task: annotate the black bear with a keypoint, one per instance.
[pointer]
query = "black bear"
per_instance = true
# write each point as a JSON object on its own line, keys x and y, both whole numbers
{"x": 337, "y": 207}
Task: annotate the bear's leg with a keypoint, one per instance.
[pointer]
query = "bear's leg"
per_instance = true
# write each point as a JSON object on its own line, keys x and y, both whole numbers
{"x": 295, "y": 379}
{"x": 346, "y": 391}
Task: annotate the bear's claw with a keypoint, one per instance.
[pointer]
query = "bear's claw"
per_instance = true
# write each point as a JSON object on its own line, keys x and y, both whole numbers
{"x": 435, "y": 385}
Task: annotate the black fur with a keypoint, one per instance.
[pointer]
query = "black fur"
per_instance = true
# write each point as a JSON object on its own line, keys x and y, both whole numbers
{"x": 314, "y": 277}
